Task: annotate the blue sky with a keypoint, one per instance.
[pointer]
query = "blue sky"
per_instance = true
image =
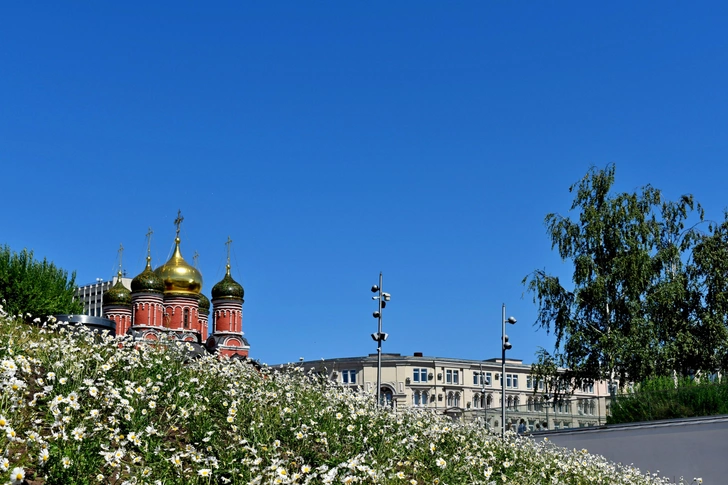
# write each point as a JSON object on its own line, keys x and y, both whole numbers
{"x": 335, "y": 140}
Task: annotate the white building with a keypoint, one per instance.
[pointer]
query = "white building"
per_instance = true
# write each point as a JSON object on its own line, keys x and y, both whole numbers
{"x": 468, "y": 389}
{"x": 92, "y": 295}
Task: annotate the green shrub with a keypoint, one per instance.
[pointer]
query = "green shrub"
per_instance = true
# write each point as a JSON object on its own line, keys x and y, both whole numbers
{"x": 36, "y": 287}
{"x": 664, "y": 398}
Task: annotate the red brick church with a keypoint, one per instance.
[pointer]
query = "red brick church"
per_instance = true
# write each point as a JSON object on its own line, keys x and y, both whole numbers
{"x": 168, "y": 302}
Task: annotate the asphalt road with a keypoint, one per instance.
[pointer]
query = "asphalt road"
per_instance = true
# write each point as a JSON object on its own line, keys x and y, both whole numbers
{"x": 689, "y": 448}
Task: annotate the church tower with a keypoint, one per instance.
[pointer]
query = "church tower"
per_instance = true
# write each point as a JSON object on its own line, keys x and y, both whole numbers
{"x": 147, "y": 299}
{"x": 182, "y": 286}
{"x": 227, "y": 314}
{"x": 117, "y": 302}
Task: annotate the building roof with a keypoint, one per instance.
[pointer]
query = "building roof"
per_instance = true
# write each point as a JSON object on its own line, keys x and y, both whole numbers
{"x": 418, "y": 358}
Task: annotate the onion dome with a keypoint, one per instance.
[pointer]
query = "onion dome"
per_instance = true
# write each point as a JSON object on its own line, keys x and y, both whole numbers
{"x": 204, "y": 306}
{"x": 147, "y": 281}
{"x": 117, "y": 294}
{"x": 228, "y": 288}
{"x": 179, "y": 277}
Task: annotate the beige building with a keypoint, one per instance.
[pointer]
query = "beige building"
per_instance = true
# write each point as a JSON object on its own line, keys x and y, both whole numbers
{"x": 468, "y": 389}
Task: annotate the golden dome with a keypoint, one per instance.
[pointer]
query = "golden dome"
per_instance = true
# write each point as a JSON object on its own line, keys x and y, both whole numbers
{"x": 178, "y": 276}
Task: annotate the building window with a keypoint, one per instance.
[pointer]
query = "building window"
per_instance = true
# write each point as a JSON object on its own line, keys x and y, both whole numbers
{"x": 419, "y": 375}
{"x": 457, "y": 399}
{"x": 416, "y": 398}
{"x": 448, "y": 377}
{"x": 588, "y": 387}
{"x": 482, "y": 378}
{"x": 450, "y": 399}
{"x": 529, "y": 382}
{"x": 455, "y": 377}
{"x": 186, "y": 318}
{"x": 512, "y": 381}
{"x": 386, "y": 396}
{"x": 348, "y": 376}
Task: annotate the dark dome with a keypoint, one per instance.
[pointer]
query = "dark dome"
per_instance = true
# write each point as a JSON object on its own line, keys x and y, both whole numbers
{"x": 117, "y": 294}
{"x": 204, "y": 304}
{"x": 147, "y": 281}
{"x": 228, "y": 288}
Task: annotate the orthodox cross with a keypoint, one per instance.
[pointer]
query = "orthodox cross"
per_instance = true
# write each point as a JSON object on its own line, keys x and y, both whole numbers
{"x": 228, "y": 243}
{"x": 149, "y": 241}
{"x": 121, "y": 252}
{"x": 179, "y": 220}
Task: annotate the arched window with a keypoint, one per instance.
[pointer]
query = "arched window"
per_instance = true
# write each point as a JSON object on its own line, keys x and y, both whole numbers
{"x": 529, "y": 404}
{"x": 592, "y": 407}
{"x": 186, "y": 318}
{"x": 509, "y": 402}
{"x": 416, "y": 398}
{"x": 386, "y": 396}
{"x": 425, "y": 398}
{"x": 489, "y": 401}
{"x": 457, "y": 399}
{"x": 516, "y": 402}
{"x": 450, "y": 399}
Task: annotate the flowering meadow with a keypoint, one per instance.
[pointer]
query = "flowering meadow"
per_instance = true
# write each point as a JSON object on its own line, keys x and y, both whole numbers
{"x": 77, "y": 407}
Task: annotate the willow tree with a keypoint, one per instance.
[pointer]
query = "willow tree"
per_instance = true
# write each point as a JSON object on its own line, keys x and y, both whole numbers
{"x": 632, "y": 309}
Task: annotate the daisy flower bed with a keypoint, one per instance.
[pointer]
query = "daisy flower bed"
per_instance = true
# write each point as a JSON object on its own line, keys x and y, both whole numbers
{"x": 79, "y": 408}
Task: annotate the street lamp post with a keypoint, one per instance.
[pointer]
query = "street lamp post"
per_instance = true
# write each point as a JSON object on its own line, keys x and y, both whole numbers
{"x": 379, "y": 337}
{"x": 505, "y": 345}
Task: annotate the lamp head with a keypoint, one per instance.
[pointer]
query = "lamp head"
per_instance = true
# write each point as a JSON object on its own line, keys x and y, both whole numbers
{"x": 511, "y": 320}
{"x": 375, "y": 288}
{"x": 506, "y": 344}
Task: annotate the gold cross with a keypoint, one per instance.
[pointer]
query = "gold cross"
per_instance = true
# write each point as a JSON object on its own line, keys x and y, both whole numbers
{"x": 179, "y": 220}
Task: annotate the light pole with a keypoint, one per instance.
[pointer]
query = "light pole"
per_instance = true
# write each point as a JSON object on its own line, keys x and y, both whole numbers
{"x": 379, "y": 337}
{"x": 505, "y": 345}
{"x": 483, "y": 398}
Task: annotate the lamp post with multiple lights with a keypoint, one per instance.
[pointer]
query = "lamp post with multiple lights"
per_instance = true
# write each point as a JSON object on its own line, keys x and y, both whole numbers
{"x": 379, "y": 337}
{"x": 505, "y": 346}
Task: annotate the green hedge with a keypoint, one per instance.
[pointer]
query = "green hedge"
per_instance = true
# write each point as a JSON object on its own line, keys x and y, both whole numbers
{"x": 660, "y": 398}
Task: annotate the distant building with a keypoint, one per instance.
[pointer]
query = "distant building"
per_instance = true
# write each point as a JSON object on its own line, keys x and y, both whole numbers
{"x": 467, "y": 389}
{"x": 92, "y": 295}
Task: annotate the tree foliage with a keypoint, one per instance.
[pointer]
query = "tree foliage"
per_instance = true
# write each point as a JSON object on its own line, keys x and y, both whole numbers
{"x": 36, "y": 287}
{"x": 648, "y": 290}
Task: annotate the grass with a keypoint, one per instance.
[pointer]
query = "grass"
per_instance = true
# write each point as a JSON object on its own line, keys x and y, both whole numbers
{"x": 77, "y": 408}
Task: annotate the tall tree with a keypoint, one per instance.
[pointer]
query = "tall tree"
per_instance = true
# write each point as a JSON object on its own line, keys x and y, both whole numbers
{"x": 633, "y": 305}
{"x": 35, "y": 287}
